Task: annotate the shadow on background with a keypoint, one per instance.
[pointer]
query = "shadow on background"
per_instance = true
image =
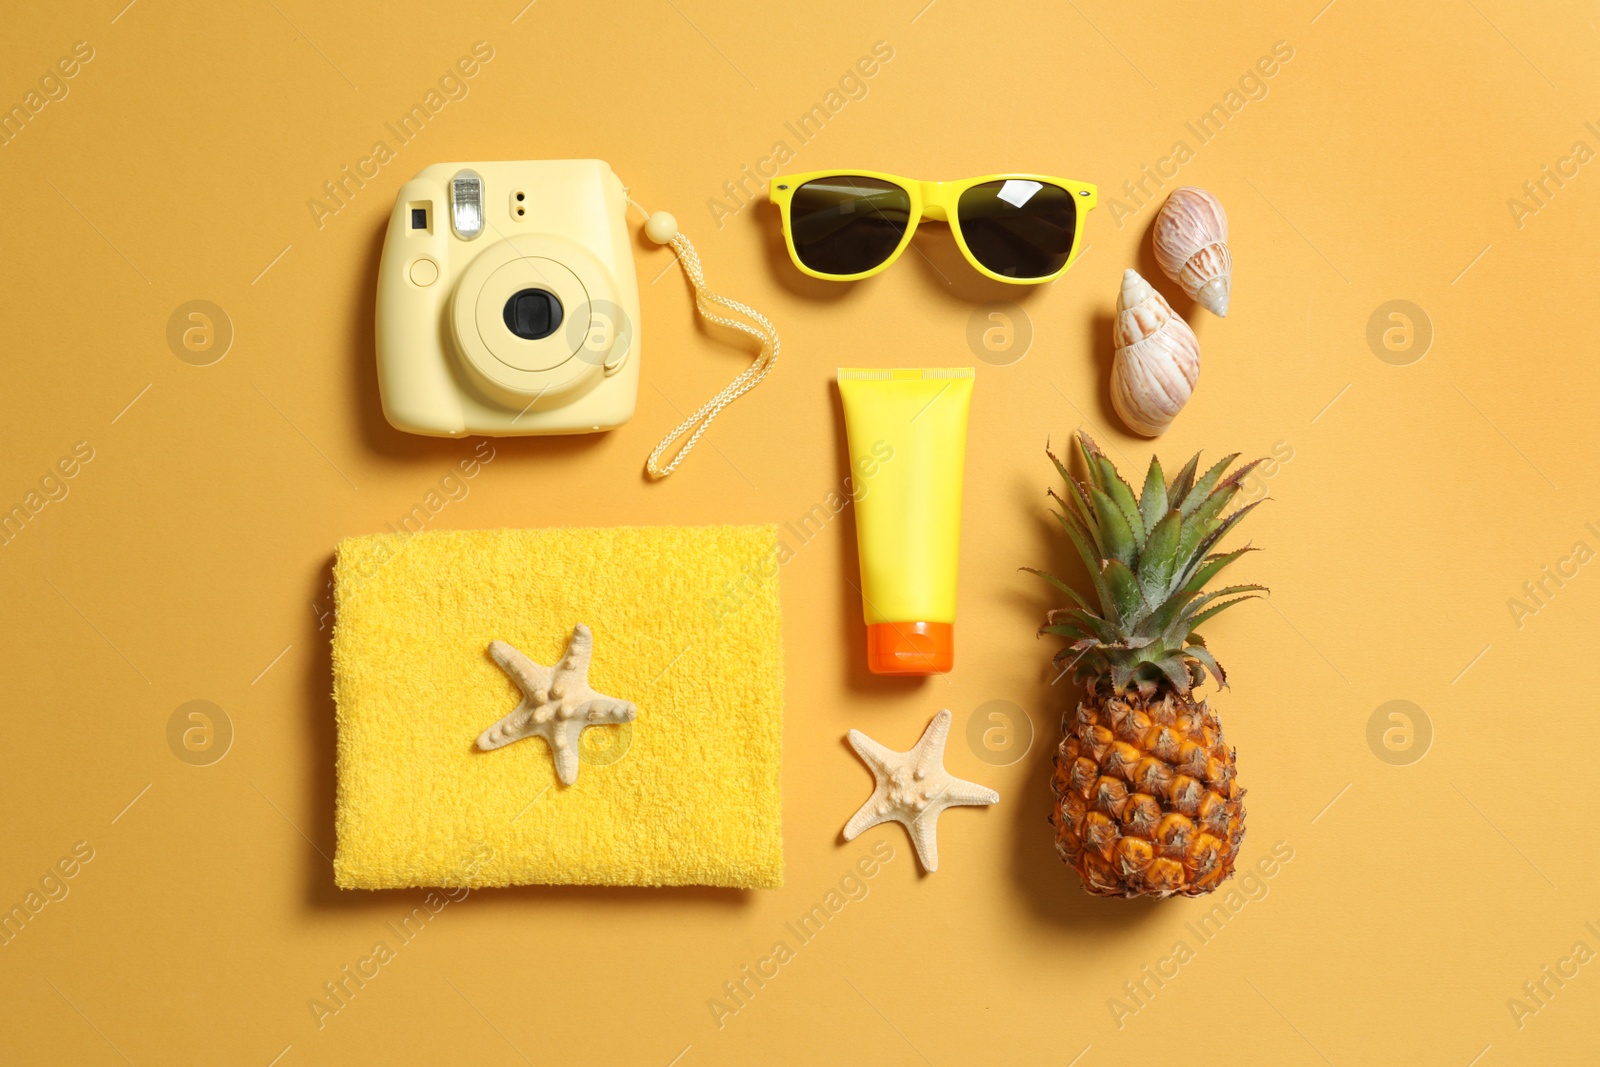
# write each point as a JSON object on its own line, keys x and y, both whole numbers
{"x": 934, "y": 249}
{"x": 1051, "y": 889}
{"x": 1150, "y": 270}
{"x": 1101, "y": 345}
{"x": 1102, "y": 353}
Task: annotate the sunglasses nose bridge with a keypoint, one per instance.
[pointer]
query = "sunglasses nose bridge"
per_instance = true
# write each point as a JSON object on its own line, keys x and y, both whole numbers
{"x": 935, "y": 202}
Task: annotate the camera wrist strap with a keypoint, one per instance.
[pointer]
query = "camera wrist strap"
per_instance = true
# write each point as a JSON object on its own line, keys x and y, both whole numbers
{"x": 662, "y": 228}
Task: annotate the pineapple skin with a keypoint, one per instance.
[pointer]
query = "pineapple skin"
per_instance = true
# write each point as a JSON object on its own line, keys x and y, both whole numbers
{"x": 1147, "y": 797}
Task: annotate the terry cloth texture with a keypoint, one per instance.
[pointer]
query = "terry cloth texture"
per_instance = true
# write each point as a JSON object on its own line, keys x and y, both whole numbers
{"x": 685, "y": 623}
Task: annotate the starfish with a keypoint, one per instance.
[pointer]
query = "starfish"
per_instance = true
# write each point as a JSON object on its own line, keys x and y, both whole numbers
{"x": 913, "y": 788}
{"x": 557, "y": 703}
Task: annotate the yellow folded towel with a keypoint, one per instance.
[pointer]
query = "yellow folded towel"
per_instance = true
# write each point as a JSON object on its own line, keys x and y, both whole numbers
{"x": 685, "y": 623}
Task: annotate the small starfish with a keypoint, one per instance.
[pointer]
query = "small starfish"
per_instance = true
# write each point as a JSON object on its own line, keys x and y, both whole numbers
{"x": 913, "y": 788}
{"x": 557, "y": 703}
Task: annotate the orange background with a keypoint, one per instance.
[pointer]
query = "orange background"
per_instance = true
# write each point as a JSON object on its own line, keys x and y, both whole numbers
{"x": 189, "y": 558}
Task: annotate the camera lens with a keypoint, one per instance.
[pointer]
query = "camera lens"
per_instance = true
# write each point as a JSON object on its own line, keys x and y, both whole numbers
{"x": 533, "y": 313}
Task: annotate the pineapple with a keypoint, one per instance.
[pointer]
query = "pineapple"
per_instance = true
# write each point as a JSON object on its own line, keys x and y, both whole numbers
{"x": 1146, "y": 798}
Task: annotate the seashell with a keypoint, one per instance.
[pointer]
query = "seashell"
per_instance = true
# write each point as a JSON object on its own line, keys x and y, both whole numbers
{"x": 1157, "y": 358}
{"x": 1191, "y": 239}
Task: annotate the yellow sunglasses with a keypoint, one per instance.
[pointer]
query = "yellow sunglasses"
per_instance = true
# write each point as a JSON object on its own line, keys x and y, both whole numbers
{"x": 842, "y": 225}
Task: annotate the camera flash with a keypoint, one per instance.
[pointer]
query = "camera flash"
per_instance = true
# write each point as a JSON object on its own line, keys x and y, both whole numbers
{"x": 466, "y": 205}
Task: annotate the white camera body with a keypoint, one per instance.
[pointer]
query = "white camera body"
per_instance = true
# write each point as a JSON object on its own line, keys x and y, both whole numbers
{"x": 507, "y": 301}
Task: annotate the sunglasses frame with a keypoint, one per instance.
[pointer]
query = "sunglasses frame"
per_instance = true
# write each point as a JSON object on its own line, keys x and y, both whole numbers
{"x": 938, "y": 201}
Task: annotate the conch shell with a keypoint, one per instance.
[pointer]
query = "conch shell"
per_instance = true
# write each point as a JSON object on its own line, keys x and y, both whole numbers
{"x": 1157, "y": 358}
{"x": 1191, "y": 239}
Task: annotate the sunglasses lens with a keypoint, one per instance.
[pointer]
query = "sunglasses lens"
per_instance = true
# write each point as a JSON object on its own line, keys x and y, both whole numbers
{"x": 1019, "y": 228}
{"x": 846, "y": 224}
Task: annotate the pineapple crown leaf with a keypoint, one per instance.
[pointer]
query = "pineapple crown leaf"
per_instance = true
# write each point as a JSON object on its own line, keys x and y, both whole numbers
{"x": 1149, "y": 559}
{"x": 1117, "y": 532}
{"x": 1208, "y": 482}
{"x": 1199, "y": 652}
{"x": 1212, "y": 565}
{"x": 1160, "y": 557}
{"x": 1221, "y": 531}
{"x": 1061, "y": 468}
{"x": 1183, "y": 479}
{"x": 1237, "y": 477}
{"x": 1192, "y": 614}
{"x": 1090, "y": 451}
{"x": 1063, "y": 586}
{"x": 1177, "y": 673}
{"x": 1218, "y": 608}
{"x": 1121, "y": 494}
{"x": 1153, "y": 502}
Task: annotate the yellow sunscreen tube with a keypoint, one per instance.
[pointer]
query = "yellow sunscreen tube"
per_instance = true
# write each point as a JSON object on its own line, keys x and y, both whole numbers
{"x": 908, "y": 513}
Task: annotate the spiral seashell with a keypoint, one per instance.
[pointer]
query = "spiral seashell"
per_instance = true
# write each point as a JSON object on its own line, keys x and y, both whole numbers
{"x": 1191, "y": 239}
{"x": 1157, "y": 360}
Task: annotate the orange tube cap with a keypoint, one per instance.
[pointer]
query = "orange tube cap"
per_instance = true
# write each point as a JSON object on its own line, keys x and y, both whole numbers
{"x": 910, "y": 647}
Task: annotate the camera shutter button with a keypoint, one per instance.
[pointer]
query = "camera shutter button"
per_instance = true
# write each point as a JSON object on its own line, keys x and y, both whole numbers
{"x": 618, "y": 356}
{"x": 424, "y": 272}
